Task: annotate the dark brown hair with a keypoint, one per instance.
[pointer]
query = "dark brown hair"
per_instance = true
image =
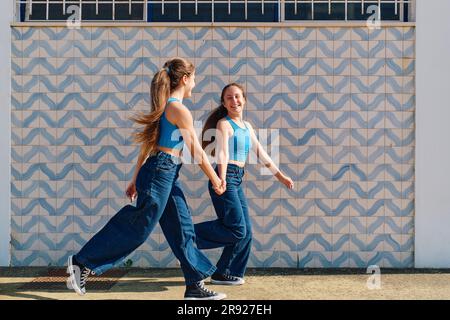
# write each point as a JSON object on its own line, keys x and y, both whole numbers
{"x": 217, "y": 114}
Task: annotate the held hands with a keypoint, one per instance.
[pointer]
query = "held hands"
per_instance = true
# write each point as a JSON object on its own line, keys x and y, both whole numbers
{"x": 131, "y": 191}
{"x": 220, "y": 188}
{"x": 223, "y": 184}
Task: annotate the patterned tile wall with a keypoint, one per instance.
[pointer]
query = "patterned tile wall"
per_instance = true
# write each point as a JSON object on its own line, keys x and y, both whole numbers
{"x": 342, "y": 98}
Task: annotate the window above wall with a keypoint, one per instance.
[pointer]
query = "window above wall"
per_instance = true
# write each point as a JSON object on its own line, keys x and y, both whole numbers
{"x": 213, "y": 10}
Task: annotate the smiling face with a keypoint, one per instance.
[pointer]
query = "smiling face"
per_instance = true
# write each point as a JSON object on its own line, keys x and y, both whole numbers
{"x": 234, "y": 101}
{"x": 189, "y": 82}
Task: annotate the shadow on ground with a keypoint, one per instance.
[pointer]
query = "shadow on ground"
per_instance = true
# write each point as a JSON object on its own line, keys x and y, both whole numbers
{"x": 53, "y": 280}
{"x": 35, "y": 283}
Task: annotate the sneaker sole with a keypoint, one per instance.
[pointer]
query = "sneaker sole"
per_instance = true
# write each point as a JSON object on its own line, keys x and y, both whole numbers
{"x": 71, "y": 281}
{"x": 227, "y": 283}
{"x": 69, "y": 284}
{"x": 220, "y": 296}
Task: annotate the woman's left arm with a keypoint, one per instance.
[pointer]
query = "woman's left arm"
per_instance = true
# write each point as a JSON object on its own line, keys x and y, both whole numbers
{"x": 267, "y": 160}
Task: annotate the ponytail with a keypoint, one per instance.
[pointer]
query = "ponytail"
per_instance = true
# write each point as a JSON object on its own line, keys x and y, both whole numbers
{"x": 211, "y": 123}
{"x": 163, "y": 83}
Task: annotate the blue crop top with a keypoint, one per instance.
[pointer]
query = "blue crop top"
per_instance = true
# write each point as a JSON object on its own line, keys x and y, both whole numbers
{"x": 169, "y": 134}
{"x": 240, "y": 143}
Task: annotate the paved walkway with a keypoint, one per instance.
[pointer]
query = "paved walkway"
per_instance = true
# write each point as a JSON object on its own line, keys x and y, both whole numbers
{"x": 261, "y": 284}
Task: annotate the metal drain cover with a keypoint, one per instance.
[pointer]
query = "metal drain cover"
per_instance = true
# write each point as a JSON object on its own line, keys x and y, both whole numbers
{"x": 55, "y": 279}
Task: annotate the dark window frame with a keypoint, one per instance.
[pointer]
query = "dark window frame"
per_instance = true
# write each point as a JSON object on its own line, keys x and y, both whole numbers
{"x": 153, "y": 12}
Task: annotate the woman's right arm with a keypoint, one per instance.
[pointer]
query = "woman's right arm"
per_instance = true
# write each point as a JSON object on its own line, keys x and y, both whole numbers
{"x": 184, "y": 122}
{"x": 131, "y": 189}
{"x": 141, "y": 159}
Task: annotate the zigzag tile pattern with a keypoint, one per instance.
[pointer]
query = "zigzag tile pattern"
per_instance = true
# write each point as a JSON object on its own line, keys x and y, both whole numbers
{"x": 340, "y": 102}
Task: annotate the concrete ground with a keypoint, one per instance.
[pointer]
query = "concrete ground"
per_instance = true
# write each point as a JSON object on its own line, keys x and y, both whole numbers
{"x": 261, "y": 284}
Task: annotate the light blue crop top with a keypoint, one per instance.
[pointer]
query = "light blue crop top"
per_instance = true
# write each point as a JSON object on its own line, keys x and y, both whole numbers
{"x": 240, "y": 143}
{"x": 169, "y": 134}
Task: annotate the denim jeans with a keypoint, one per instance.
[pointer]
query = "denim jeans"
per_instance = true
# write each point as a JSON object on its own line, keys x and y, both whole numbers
{"x": 232, "y": 229}
{"x": 160, "y": 199}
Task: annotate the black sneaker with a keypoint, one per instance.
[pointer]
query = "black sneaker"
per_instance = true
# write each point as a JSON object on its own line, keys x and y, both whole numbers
{"x": 197, "y": 291}
{"x": 226, "y": 279}
{"x": 78, "y": 275}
